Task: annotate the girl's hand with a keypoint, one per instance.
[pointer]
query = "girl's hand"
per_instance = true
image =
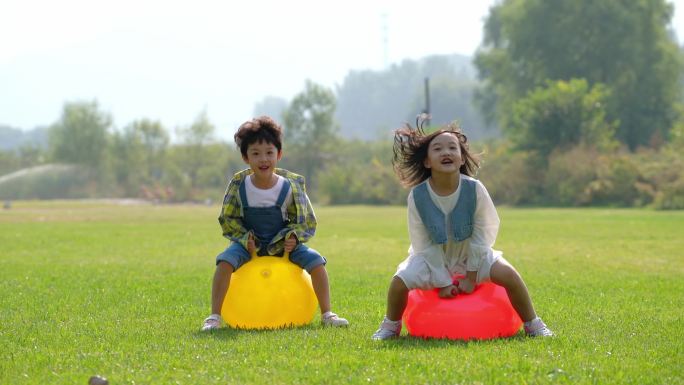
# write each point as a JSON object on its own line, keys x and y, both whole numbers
{"x": 290, "y": 243}
{"x": 450, "y": 291}
{"x": 465, "y": 285}
{"x": 251, "y": 246}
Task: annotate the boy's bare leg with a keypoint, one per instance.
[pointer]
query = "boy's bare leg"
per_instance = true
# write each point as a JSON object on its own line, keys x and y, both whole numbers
{"x": 503, "y": 274}
{"x": 319, "y": 280}
{"x": 220, "y": 286}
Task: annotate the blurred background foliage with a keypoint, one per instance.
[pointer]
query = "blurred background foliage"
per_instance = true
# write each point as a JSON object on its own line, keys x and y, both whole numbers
{"x": 570, "y": 103}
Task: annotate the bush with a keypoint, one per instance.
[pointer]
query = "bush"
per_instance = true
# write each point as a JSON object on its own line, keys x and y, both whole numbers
{"x": 373, "y": 183}
{"x": 582, "y": 176}
{"x": 616, "y": 181}
{"x": 570, "y": 175}
{"x": 508, "y": 176}
{"x": 661, "y": 178}
{"x": 670, "y": 196}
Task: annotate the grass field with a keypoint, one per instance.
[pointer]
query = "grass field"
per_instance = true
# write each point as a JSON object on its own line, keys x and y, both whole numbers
{"x": 121, "y": 291}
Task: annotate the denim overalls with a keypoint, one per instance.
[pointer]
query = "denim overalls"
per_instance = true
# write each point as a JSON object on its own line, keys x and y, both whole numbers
{"x": 266, "y": 222}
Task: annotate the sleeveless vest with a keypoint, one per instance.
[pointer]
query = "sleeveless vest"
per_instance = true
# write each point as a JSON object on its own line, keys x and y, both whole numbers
{"x": 461, "y": 216}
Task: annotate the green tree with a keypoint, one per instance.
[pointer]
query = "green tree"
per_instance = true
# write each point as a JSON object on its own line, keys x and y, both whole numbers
{"x": 128, "y": 162}
{"x": 622, "y": 44}
{"x": 81, "y": 135}
{"x": 191, "y": 155}
{"x": 199, "y": 133}
{"x": 562, "y": 115}
{"x": 155, "y": 141}
{"x": 310, "y": 128}
{"x": 138, "y": 155}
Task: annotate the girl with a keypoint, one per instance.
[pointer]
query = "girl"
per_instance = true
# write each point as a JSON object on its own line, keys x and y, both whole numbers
{"x": 452, "y": 227}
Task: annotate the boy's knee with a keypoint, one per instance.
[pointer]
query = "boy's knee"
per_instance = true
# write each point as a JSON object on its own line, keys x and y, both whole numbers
{"x": 316, "y": 268}
{"x": 224, "y": 267}
{"x": 307, "y": 258}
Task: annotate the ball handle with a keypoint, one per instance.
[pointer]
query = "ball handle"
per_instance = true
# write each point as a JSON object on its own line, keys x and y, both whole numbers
{"x": 286, "y": 255}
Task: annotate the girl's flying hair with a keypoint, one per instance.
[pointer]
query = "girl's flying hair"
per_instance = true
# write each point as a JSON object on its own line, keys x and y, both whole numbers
{"x": 411, "y": 149}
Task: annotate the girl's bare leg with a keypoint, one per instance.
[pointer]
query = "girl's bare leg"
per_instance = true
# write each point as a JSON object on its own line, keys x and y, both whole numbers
{"x": 397, "y": 297}
{"x": 503, "y": 274}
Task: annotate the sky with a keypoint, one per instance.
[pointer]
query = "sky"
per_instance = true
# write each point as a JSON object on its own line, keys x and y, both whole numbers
{"x": 171, "y": 60}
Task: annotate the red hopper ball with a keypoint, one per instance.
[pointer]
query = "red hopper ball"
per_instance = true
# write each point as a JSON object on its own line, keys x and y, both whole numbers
{"x": 484, "y": 314}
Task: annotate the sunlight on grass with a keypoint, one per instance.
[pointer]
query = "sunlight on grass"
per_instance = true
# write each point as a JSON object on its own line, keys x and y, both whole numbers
{"x": 121, "y": 290}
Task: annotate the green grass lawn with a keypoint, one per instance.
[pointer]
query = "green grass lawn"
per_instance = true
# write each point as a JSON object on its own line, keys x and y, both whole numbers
{"x": 121, "y": 291}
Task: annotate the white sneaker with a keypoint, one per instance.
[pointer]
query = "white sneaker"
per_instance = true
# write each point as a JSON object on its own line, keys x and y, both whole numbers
{"x": 332, "y": 319}
{"x": 388, "y": 329}
{"x": 212, "y": 322}
{"x": 537, "y": 328}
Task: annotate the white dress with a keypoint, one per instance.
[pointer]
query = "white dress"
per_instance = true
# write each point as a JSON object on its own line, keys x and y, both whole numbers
{"x": 431, "y": 265}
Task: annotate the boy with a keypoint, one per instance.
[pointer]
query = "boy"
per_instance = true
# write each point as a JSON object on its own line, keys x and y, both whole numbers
{"x": 266, "y": 211}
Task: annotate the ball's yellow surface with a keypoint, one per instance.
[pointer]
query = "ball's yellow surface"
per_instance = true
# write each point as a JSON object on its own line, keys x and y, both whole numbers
{"x": 269, "y": 293}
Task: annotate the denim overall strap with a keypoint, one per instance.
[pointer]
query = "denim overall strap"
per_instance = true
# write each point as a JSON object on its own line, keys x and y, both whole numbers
{"x": 283, "y": 193}
{"x": 265, "y": 222}
{"x": 434, "y": 219}
{"x": 243, "y": 194}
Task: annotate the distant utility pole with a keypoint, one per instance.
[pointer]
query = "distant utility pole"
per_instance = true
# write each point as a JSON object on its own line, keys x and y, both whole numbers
{"x": 427, "y": 100}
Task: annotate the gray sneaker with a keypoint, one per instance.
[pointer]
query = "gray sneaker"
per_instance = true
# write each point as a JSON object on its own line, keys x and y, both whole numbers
{"x": 537, "y": 328}
{"x": 388, "y": 329}
{"x": 212, "y": 322}
{"x": 332, "y": 319}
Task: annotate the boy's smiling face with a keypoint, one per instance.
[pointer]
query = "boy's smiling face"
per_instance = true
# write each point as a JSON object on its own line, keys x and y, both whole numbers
{"x": 262, "y": 157}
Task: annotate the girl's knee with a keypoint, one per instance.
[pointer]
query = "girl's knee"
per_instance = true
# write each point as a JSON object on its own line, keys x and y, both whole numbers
{"x": 398, "y": 285}
{"x": 505, "y": 275}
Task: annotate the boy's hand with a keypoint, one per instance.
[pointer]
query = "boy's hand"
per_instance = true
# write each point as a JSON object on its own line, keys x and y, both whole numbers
{"x": 251, "y": 246}
{"x": 290, "y": 243}
{"x": 450, "y": 291}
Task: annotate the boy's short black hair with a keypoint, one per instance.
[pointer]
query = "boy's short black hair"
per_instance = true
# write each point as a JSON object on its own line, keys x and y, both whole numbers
{"x": 261, "y": 129}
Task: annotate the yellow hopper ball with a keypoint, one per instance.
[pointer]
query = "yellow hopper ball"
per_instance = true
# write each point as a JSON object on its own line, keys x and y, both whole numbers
{"x": 269, "y": 293}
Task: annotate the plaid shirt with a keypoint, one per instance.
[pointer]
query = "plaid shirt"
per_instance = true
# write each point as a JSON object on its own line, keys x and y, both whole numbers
{"x": 301, "y": 219}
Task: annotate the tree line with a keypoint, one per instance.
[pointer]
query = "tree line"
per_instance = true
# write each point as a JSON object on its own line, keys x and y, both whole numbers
{"x": 580, "y": 103}
{"x": 589, "y": 97}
